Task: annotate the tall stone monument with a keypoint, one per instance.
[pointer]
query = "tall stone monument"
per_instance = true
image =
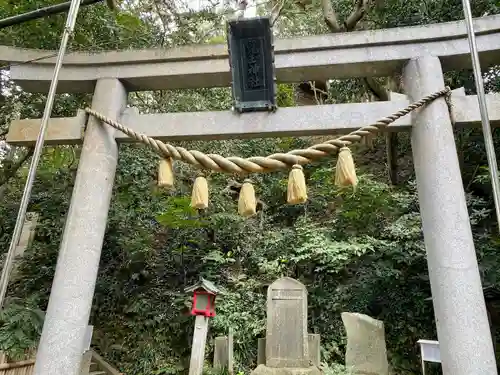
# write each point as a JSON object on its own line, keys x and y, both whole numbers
{"x": 287, "y": 347}
{"x": 366, "y": 352}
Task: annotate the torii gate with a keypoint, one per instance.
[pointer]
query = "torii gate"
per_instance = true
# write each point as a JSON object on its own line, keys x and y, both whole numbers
{"x": 420, "y": 53}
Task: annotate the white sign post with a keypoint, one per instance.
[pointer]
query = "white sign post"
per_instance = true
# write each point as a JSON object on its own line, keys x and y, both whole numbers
{"x": 88, "y": 338}
{"x": 429, "y": 352}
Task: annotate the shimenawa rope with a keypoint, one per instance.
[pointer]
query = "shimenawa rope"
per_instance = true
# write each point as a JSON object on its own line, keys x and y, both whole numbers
{"x": 260, "y": 164}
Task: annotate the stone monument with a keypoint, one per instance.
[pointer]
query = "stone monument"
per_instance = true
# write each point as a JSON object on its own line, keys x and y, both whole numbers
{"x": 287, "y": 347}
{"x": 223, "y": 353}
{"x": 366, "y": 352}
{"x": 314, "y": 348}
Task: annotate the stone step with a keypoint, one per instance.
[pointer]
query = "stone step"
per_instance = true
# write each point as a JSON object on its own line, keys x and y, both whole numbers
{"x": 97, "y": 373}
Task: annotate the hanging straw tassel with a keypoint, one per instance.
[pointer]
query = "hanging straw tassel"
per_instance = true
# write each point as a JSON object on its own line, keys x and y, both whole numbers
{"x": 165, "y": 173}
{"x": 247, "y": 204}
{"x": 297, "y": 190}
{"x": 199, "y": 197}
{"x": 345, "y": 174}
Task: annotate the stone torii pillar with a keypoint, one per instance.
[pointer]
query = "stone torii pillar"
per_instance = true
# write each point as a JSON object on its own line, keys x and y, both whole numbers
{"x": 461, "y": 318}
{"x": 61, "y": 345}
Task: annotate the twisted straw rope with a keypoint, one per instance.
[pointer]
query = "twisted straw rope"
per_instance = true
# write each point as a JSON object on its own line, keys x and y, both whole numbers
{"x": 260, "y": 164}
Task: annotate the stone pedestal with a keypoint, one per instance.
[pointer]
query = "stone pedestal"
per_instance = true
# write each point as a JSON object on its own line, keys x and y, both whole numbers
{"x": 287, "y": 340}
{"x": 265, "y": 370}
{"x": 314, "y": 349}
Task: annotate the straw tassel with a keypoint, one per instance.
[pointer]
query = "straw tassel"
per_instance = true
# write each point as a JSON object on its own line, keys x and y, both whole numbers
{"x": 297, "y": 190}
{"x": 345, "y": 174}
{"x": 247, "y": 204}
{"x": 165, "y": 173}
{"x": 199, "y": 196}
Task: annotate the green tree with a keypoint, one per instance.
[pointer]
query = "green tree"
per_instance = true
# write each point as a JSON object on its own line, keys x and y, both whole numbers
{"x": 355, "y": 251}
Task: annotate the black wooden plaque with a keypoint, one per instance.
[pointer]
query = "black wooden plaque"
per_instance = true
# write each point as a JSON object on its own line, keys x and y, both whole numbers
{"x": 251, "y": 58}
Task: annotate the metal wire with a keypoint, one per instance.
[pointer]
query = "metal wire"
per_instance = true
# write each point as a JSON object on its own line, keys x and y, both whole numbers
{"x": 488, "y": 137}
{"x": 42, "y": 12}
{"x": 97, "y": 47}
{"x": 68, "y": 30}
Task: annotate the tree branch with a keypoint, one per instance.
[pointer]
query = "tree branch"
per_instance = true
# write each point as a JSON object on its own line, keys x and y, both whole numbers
{"x": 330, "y": 16}
{"x": 276, "y": 11}
{"x": 391, "y": 144}
{"x": 350, "y": 23}
{"x": 376, "y": 89}
{"x": 356, "y": 15}
{"x": 391, "y": 139}
{"x": 163, "y": 22}
{"x": 12, "y": 170}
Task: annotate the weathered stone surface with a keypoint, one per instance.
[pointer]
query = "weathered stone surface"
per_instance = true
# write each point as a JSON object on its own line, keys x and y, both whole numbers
{"x": 461, "y": 319}
{"x": 265, "y": 370}
{"x": 261, "y": 351}
{"x": 287, "y": 122}
{"x": 230, "y": 352}
{"x": 286, "y": 335}
{"x": 68, "y": 311}
{"x": 223, "y": 353}
{"x": 314, "y": 349}
{"x": 366, "y": 351}
{"x": 62, "y": 130}
{"x": 318, "y": 57}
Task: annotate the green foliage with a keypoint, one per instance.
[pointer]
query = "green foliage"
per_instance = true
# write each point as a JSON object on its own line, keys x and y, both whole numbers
{"x": 285, "y": 96}
{"x": 335, "y": 369}
{"x": 20, "y": 325}
{"x": 359, "y": 251}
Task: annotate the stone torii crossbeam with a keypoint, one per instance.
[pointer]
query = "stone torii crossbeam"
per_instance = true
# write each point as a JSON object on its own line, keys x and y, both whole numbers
{"x": 421, "y": 54}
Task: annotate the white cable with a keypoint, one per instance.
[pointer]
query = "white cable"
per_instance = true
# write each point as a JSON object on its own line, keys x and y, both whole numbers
{"x": 21, "y": 216}
{"x": 483, "y": 109}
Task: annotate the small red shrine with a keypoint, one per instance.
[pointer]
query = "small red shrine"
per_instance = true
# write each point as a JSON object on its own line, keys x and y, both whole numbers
{"x": 204, "y": 293}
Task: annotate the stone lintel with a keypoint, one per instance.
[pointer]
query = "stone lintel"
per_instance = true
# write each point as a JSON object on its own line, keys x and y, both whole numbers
{"x": 291, "y": 121}
{"x": 317, "y": 57}
{"x": 466, "y": 110}
{"x": 285, "y": 122}
{"x": 60, "y": 130}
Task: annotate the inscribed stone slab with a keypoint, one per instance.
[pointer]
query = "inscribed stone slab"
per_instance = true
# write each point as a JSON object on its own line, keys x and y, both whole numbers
{"x": 261, "y": 351}
{"x": 221, "y": 350}
{"x": 286, "y": 331}
{"x": 366, "y": 351}
{"x": 314, "y": 349}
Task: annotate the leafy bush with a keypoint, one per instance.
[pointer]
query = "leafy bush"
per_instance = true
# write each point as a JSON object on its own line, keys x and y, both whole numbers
{"x": 20, "y": 326}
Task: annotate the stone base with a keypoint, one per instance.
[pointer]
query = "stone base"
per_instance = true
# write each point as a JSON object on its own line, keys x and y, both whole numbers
{"x": 264, "y": 370}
